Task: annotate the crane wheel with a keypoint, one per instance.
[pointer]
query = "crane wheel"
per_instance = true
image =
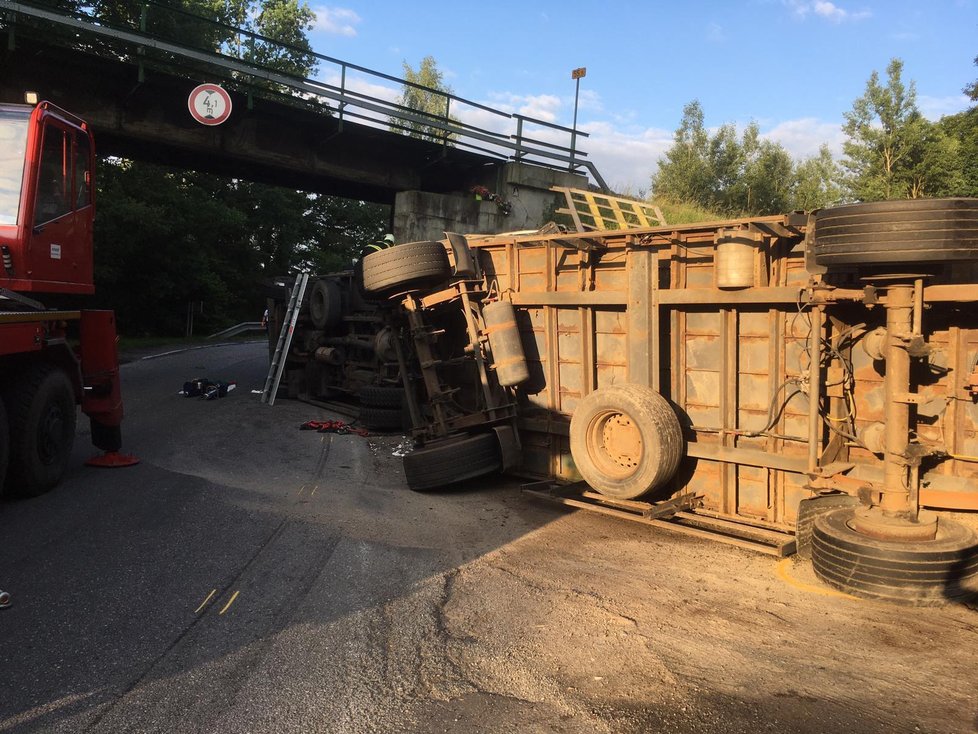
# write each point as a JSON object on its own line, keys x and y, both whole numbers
{"x": 41, "y": 409}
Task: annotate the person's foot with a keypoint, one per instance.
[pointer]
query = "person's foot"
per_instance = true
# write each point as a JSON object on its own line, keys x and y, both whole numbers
{"x": 4, "y": 600}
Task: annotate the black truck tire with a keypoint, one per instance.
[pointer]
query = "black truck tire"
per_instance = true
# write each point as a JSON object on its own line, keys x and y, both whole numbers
{"x": 381, "y": 419}
{"x": 452, "y": 462}
{"x": 915, "y": 230}
{"x": 921, "y": 573}
{"x": 382, "y": 396}
{"x": 325, "y": 304}
{"x": 405, "y": 267}
{"x": 626, "y": 440}
{"x": 808, "y": 510}
{"x": 41, "y": 410}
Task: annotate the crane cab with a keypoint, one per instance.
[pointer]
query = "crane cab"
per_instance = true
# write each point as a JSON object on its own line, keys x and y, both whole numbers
{"x": 47, "y": 200}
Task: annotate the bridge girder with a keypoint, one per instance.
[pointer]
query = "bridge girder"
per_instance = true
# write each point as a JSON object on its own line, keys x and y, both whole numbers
{"x": 265, "y": 141}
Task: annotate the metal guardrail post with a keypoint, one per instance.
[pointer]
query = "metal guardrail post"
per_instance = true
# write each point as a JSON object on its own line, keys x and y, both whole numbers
{"x": 342, "y": 105}
{"x": 573, "y": 148}
{"x": 140, "y": 51}
{"x": 519, "y": 138}
{"x": 446, "y": 135}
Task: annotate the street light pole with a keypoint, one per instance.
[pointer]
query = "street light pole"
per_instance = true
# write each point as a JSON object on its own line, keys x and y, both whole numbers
{"x": 577, "y": 75}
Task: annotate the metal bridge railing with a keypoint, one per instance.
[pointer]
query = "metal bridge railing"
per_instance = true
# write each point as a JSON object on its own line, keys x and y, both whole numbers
{"x": 351, "y": 92}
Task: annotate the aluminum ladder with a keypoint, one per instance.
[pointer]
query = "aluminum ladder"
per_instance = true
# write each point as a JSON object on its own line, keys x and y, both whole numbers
{"x": 277, "y": 367}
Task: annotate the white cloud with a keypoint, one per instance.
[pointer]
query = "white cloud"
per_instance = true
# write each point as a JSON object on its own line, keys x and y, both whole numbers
{"x": 803, "y": 137}
{"x": 934, "y": 108}
{"x": 715, "y": 34}
{"x": 338, "y": 21}
{"x": 826, "y": 10}
{"x": 626, "y": 159}
{"x": 544, "y": 107}
{"x": 830, "y": 11}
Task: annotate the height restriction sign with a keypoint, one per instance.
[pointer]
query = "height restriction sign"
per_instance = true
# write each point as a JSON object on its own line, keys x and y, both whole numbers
{"x": 209, "y": 104}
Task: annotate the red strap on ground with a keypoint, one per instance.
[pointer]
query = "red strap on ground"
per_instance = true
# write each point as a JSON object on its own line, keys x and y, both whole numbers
{"x": 332, "y": 427}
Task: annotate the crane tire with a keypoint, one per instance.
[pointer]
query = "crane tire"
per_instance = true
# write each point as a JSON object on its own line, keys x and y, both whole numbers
{"x": 41, "y": 408}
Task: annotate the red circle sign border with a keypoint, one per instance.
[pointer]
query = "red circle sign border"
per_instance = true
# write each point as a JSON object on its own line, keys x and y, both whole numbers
{"x": 211, "y": 88}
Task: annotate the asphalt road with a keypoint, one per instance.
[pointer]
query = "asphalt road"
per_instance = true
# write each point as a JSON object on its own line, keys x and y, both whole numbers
{"x": 250, "y": 577}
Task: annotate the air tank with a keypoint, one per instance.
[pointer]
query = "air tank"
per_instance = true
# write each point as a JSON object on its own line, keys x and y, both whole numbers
{"x": 508, "y": 358}
{"x": 735, "y": 259}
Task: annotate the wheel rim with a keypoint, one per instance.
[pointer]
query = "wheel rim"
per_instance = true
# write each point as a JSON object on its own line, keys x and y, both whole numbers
{"x": 317, "y": 306}
{"x": 614, "y": 443}
{"x": 50, "y": 435}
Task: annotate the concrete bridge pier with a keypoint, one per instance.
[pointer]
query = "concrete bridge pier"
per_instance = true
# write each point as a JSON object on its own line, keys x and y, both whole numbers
{"x": 420, "y": 215}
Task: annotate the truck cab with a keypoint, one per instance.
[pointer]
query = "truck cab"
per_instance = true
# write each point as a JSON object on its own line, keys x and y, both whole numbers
{"x": 47, "y": 200}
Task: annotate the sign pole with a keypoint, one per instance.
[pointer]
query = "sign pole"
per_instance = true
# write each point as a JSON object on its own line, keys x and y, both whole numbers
{"x": 576, "y": 74}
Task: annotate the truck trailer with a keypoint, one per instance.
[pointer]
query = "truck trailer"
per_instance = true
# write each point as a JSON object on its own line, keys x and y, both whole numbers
{"x": 807, "y": 381}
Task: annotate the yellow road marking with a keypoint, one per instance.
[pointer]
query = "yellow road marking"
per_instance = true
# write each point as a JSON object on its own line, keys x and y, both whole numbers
{"x": 781, "y": 571}
{"x": 230, "y": 602}
{"x": 204, "y": 603}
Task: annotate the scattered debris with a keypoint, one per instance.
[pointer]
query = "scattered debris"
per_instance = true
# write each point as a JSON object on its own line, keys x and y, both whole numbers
{"x": 404, "y": 448}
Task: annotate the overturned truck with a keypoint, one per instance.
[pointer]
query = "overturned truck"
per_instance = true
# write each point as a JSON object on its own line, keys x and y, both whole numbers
{"x": 806, "y": 379}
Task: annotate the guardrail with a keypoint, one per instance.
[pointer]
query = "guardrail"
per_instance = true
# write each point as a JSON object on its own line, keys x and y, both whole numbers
{"x": 511, "y": 136}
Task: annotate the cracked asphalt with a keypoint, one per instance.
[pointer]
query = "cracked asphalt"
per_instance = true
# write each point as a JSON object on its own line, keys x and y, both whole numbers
{"x": 251, "y": 577}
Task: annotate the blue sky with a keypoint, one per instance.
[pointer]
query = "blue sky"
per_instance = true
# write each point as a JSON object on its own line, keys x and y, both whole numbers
{"x": 794, "y": 66}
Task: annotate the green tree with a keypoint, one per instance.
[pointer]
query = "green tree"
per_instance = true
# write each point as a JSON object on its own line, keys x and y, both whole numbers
{"x": 426, "y": 95}
{"x": 962, "y": 129}
{"x": 181, "y": 21}
{"x": 725, "y": 173}
{"x": 684, "y": 175}
{"x": 887, "y": 143}
{"x": 767, "y": 179}
{"x": 165, "y": 238}
{"x": 972, "y": 89}
{"x": 286, "y": 22}
{"x": 816, "y": 181}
